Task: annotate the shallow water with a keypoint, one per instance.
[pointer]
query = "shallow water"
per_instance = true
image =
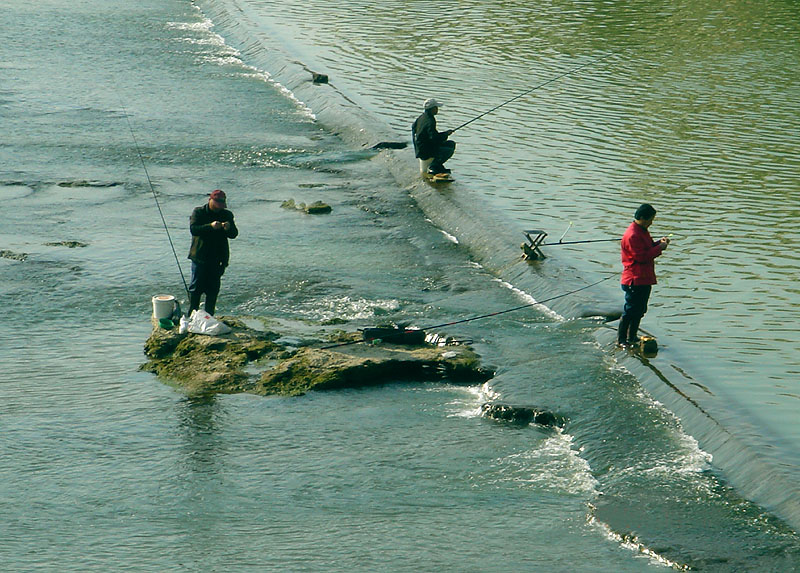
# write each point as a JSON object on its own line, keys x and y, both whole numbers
{"x": 107, "y": 467}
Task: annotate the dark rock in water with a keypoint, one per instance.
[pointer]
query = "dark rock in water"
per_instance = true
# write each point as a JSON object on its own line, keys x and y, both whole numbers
{"x": 318, "y": 208}
{"x": 522, "y": 415}
{"x": 69, "y": 244}
{"x": 315, "y": 208}
{"x": 84, "y": 183}
{"x": 204, "y": 364}
{"x": 319, "y": 78}
{"x": 13, "y": 256}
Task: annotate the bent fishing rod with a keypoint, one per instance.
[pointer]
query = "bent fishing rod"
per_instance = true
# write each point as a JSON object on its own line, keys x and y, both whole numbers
{"x": 155, "y": 197}
{"x": 541, "y": 85}
{"x": 491, "y": 314}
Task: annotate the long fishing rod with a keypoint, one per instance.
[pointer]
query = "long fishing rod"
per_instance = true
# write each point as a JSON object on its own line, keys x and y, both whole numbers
{"x": 155, "y": 197}
{"x": 348, "y": 343}
{"x": 560, "y": 242}
{"x": 541, "y": 85}
{"x": 576, "y": 242}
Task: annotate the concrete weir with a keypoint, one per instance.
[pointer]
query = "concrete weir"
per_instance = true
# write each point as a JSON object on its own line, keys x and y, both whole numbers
{"x": 257, "y": 362}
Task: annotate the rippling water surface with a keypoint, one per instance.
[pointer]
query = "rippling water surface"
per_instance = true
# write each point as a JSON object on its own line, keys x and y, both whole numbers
{"x": 107, "y": 468}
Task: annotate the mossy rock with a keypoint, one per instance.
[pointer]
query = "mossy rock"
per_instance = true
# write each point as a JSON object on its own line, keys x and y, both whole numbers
{"x": 202, "y": 364}
{"x": 325, "y": 369}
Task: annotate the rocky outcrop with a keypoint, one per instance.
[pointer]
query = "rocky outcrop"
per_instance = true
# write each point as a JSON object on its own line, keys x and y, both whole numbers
{"x": 522, "y": 415}
{"x": 203, "y": 364}
{"x": 247, "y": 360}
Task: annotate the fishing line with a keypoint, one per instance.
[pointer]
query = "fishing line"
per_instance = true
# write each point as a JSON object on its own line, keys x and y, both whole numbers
{"x": 155, "y": 198}
{"x": 541, "y": 85}
{"x": 491, "y": 314}
{"x": 520, "y": 307}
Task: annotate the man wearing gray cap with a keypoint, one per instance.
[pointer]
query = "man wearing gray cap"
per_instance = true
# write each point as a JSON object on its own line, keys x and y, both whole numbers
{"x": 429, "y": 143}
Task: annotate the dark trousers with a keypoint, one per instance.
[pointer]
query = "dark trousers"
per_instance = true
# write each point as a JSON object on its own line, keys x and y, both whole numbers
{"x": 206, "y": 279}
{"x": 443, "y": 153}
{"x": 636, "y": 297}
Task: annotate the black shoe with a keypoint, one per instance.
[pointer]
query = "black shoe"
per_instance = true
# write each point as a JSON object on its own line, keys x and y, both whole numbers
{"x": 633, "y": 341}
{"x": 623, "y": 344}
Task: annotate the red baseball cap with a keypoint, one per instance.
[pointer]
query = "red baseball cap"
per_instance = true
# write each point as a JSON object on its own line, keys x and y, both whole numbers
{"x": 218, "y": 195}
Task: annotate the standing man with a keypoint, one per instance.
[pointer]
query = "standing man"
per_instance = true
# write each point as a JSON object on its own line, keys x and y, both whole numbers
{"x": 429, "y": 143}
{"x": 639, "y": 251}
{"x": 211, "y": 226}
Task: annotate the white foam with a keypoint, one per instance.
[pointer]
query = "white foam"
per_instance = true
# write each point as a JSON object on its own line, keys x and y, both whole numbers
{"x": 633, "y": 544}
{"x": 228, "y": 56}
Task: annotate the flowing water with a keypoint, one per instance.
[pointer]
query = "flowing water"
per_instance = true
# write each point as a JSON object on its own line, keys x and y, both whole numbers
{"x": 693, "y": 107}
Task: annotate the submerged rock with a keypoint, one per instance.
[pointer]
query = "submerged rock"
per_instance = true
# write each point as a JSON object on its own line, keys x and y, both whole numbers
{"x": 522, "y": 415}
{"x": 85, "y": 183}
{"x": 228, "y": 364}
{"x": 13, "y": 256}
{"x": 68, "y": 244}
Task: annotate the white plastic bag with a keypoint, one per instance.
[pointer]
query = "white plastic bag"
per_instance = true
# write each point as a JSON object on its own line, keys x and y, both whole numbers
{"x": 203, "y": 323}
{"x": 184, "y": 325}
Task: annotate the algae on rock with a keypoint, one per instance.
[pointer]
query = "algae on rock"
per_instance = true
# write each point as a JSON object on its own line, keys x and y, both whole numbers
{"x": 203, "y": 364}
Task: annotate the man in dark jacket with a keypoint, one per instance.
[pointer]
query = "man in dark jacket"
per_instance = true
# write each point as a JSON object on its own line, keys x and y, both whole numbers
{"x": 211, "y": 226}
{"x": 429, "y": 143}
{"x": 638, "y": 253}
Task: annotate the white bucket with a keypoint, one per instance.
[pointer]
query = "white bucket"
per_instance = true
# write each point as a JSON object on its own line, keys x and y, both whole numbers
{"x": 163, "y": 305}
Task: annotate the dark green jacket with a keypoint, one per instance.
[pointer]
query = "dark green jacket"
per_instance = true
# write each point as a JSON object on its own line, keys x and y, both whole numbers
{"x": 210, "y": 246}
{"x": 426, "y": 139}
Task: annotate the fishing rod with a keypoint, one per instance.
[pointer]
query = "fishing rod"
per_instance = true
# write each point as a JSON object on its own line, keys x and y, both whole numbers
{"x": 403, "y": 144}
{"x": 560, "y": 242}
{"x": 350, "y": 342}
{"x": 155, "y": 197}
{"x": 541, "y": 85}
{"x": 576, "y": 242}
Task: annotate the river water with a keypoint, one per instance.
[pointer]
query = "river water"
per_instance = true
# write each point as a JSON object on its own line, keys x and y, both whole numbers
{"x": 693, "y": 107}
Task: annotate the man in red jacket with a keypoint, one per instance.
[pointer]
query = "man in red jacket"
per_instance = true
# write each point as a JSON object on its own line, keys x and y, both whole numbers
{"x": 639, "y": 251}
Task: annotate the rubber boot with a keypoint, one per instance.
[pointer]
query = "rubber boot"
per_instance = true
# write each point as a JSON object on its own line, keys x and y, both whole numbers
{"x": 622, "y": 332}
{"x": 194, "y": 301}
{"x": 633, "y": 328}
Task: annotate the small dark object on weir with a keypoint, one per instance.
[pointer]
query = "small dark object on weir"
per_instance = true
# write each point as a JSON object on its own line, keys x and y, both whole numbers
{"x": 390, "y": 145}
{"x": 319, "y": 78}
{"x": 522, "y": 415}
{"x": 530, "y": 250}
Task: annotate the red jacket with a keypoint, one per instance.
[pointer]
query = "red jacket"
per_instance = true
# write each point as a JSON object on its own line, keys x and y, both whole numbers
{"x": 638, "y": 256}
